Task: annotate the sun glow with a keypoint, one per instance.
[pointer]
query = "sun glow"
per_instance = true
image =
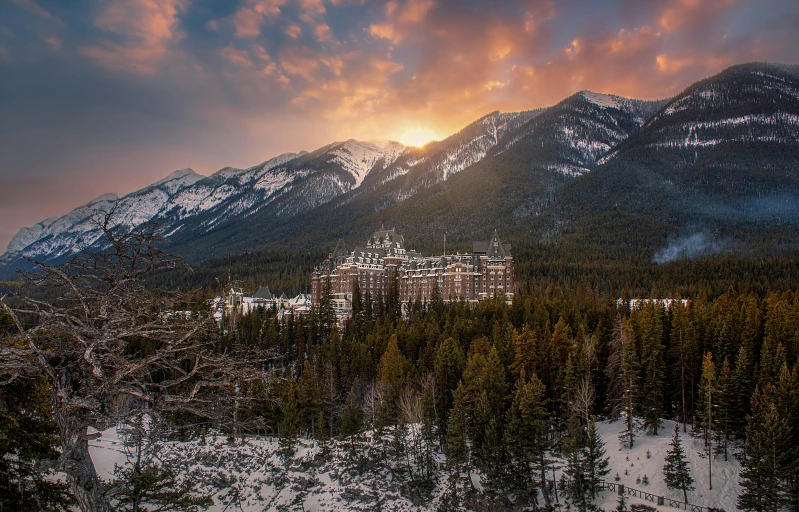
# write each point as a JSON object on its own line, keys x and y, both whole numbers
{"x": 417, "y": 136}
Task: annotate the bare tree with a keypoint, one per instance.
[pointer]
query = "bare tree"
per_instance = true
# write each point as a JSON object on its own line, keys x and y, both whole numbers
{"x": 111, "y": 349}
{"x": 582, "y": 404}
{"x": 371, "y": 399}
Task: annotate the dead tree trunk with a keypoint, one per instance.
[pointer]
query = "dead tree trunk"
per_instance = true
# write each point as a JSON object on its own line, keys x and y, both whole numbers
{"x": 78, "y": 465}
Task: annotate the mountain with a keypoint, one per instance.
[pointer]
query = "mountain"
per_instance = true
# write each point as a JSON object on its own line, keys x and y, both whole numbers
{"x": 719, "y": 159}
{"x": 718, "y": 165}
{"x": 288, "y": 185}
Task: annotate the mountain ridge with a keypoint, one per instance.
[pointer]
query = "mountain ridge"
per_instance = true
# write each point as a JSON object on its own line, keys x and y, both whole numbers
{"x": 554, "y": 170}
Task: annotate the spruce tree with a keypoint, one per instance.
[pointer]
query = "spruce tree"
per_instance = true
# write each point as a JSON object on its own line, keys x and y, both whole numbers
{"x": 596, "y": 463}
{"x": 290, "y": 422}
{"x": 707, "y": 388}
{"x": 723, "y": 408}
{"x": 352, "y": 415}
{"x": 28, "y": 434}
{"x": 676, "y": 471}
{"x": 765, "y": 457}
{"x": 310, "y": 399}
{"x": 614, "y": 369}
{"x": 629, "y": 378}
{"x": 741, "y": 393}
{"x": 393, "y": 367}
{"x": 575, "y": 469}
{"x": 528, "y": 437}
{"x": 653, "y": 369}
{"x": 447, "y": 371}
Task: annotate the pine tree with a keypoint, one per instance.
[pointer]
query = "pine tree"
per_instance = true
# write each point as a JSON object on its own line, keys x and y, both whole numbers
{"x": 629, "y": 378}
{"x": 621, "y": 503}
{"x": 765, "y": 457}
{"x": 707, "y": 388}
{"x": 456, "y": 448}
{"x": 575, "y": 471}
{"x": 596, "y": 463}
{"x": 290, "y": 424}
{"x": 393, "y": 367}
{"x": 653, "y": 369}
{"x": 676, "y": 471}
{"x": 723, "y": 406}
{"x": 28, "y": 434}
{"x": 741, "y": 393}
{"x": 528, "y": 437}
{"x": 448, "y": 368}
{"x": 586, "y": 463}
{"x": 310, "y": 400}
{"x": 352, "y": 415}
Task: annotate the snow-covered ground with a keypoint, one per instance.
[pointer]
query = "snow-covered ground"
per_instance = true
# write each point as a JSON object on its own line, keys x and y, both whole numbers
{"x": 725, "y": 474}
{"x": 255, "y": 474}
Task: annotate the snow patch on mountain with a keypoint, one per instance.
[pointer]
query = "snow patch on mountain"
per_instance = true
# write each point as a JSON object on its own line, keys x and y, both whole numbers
{"x": 359, "y": 158}
{"x": 601, "y": 100}
{"x": 178, "y": 180}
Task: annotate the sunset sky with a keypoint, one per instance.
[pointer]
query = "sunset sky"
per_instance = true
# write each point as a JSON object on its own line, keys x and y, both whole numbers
{"x": 109, "y": 96}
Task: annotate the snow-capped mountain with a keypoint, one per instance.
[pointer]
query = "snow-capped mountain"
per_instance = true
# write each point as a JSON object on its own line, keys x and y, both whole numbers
{"x": 185, "y": 201}
{"x": 720, "y": 157}
{"x": 730, "y": 135}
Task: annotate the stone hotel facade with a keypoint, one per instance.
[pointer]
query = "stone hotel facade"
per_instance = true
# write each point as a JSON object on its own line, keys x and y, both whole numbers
{"x": 485, "y": 272}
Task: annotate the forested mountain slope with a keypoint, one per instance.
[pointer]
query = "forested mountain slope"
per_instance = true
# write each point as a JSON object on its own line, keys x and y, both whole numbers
{"x": 715, "y": 168}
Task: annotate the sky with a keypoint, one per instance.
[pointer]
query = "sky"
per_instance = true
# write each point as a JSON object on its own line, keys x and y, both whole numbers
{"x": 102, "y": 96}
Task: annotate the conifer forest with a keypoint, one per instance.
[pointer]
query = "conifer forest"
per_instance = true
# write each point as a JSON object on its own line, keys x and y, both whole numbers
{"x": 493, "y": 406}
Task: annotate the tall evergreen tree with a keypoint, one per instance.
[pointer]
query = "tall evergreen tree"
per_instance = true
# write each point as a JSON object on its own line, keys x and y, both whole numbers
{"x": 653, "y": 368}
{"x": 447, "y": 371}
{"x": 629, "y": 378}
{"x": 741, "y": 393}
{"x": 676, "y": 471}
{"x": 586, "y": 463}
{"x": 351, "y": 415}
{"x": 596, "y": 463}
{"x": 765, "y": 457}
{"x": 722, "y": 429}
{"x": 393, "y": 367}
{"x": 528, "y": 437}
{"x": 28, "y": 435}
{"x": 707, "y": 389}
{"x": 614, "y": 369}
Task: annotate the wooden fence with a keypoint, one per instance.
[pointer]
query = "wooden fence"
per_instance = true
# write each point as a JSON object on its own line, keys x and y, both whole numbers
{"x": 648, "y": 496}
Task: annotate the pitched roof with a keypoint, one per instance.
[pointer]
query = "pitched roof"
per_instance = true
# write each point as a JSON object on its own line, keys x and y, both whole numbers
{"x": 263, "y": 293}
{"x": 494, "y": 248}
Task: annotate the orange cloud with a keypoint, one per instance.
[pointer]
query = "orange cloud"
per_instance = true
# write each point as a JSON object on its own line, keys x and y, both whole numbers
{"x": 236, "y": 56}
{"x": 293, "y": 31}
{"x": 323, "y": 33}
{"x": 670, "y": 64}
{"x": 682, "y": 14}
{"x": 146, "y": 28}
{"x": 248, "y": 19}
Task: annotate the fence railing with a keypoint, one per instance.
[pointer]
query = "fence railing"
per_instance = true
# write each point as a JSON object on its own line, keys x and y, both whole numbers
{"x": 648, "y": 496}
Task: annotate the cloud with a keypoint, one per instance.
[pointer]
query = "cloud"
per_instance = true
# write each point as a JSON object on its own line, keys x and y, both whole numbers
{"x": 236, "y": 56}
{"x": 293, "y": 30}
{"x": 248, "y": 20}
{"x": 237, "y": 84}
{"x": 323, "y": 33}
{"x": 34, "y": 8}
{"x": 140, "y": 32}
{"x": 54, "y": 42}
